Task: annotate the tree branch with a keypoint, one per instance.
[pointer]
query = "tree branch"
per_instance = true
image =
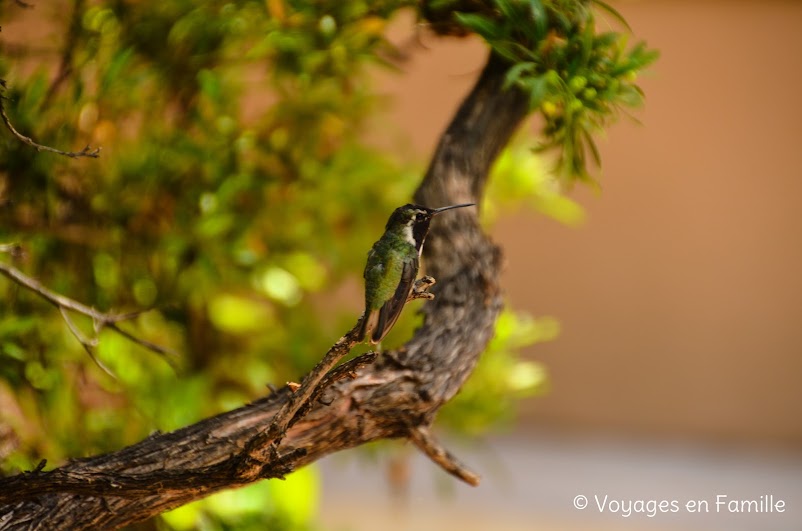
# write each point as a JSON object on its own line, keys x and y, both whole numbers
{"x": 313, "y": 385}
{"x": 23, "y": 4}
{"x": 85, "y": 152}
{"x": 14, "y": 249}
{"x": 65, "y": 305}
{"x": 397, "y": 396}
{"x": 428, "y": 444}
{"x": 88, "y": 344}
{"x": 65, "y": 64}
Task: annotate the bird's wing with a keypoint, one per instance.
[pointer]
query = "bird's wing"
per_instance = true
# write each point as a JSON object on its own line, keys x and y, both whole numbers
{"x": 371, "y": 317}
{"x": 389, "y": 312}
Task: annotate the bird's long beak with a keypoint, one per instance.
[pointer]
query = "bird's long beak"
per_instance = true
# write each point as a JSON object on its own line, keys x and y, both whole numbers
{"x": 443, "y": 209}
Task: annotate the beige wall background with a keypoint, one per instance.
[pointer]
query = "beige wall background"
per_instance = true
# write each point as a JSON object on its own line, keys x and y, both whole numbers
{"x": 681, "y": 296}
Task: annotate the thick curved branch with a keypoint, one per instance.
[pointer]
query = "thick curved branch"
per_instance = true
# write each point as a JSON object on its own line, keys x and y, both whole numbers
{"x": 397, "y": 396}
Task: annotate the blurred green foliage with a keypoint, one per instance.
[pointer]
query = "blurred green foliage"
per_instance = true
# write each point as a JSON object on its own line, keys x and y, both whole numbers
{"x": 276, "y": 505}
{"x": 236, "y": 198}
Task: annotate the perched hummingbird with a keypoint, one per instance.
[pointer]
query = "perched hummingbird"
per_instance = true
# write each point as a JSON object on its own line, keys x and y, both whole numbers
{"x": 392, "y": 268}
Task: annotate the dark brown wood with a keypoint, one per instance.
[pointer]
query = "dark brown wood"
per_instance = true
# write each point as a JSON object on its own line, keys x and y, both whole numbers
{"x": 396, "y": 396}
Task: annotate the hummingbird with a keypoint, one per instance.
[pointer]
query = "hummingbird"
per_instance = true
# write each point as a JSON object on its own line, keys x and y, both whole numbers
{"x": 392, "y": 268}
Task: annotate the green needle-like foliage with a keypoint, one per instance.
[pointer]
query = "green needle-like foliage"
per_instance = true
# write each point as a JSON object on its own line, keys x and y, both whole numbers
{"x": 577, "y": 79}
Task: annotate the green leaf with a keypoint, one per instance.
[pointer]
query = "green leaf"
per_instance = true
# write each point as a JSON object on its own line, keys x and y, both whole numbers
{"x": 117, "y": 68}
{"x": 481, "y": 25}
{"x": 516, "y": 71}
{"x": 505, "y": 49}
{"x": 539, "y": 17}
{"x": 240, "y": 315}
{"x": 13, "y": 350}
{"x": 17, "y": 325}
{"x": 538, "y": 89}
{"x": 591, "y": 144}
{"x": 507, "y": 9}
{"x": 210, "y": 84}
{"x": 614, "y": 12}
{"x": 605, "y": 40}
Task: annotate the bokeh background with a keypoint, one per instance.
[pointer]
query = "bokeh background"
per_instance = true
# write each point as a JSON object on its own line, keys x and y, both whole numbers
{"x": 676, "y": 286}
{"x": 677, "y": 371}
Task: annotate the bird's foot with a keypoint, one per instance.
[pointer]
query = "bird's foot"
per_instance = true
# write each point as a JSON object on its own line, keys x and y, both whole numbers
{"x": 420, "y": 290}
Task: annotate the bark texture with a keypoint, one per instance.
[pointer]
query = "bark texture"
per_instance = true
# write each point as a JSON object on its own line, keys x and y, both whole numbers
{"x": 397, "y": 396}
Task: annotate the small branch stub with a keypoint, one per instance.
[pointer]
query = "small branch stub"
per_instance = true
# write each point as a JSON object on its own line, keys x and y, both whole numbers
{"x": 431, "y": 447}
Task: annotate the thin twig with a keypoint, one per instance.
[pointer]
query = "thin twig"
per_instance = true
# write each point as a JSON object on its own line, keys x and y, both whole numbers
{"x": 260, "y": 449}
{"x": 88, "y": 344}
{"x": 82, "y": 339}
{"x": 346, "y": 370}
{"x": 429, "y": 445}
{"x": 14, "y": 249}
{"x": 339, "y": 350}
{"x": 158, "y": 349}
{"x": 100, "y": 319}
{"x": 65, "y": 65}
{"x": 41, "y": 466}
{"x": 85, "y": 152}
{"x": 58, "y": 300}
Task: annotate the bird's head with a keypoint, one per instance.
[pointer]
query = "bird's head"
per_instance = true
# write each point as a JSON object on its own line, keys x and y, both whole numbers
{"x": 413, "y": 221}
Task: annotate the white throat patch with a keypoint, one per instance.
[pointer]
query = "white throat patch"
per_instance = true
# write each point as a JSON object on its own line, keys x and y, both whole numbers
{"x": 408, "y": 233}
